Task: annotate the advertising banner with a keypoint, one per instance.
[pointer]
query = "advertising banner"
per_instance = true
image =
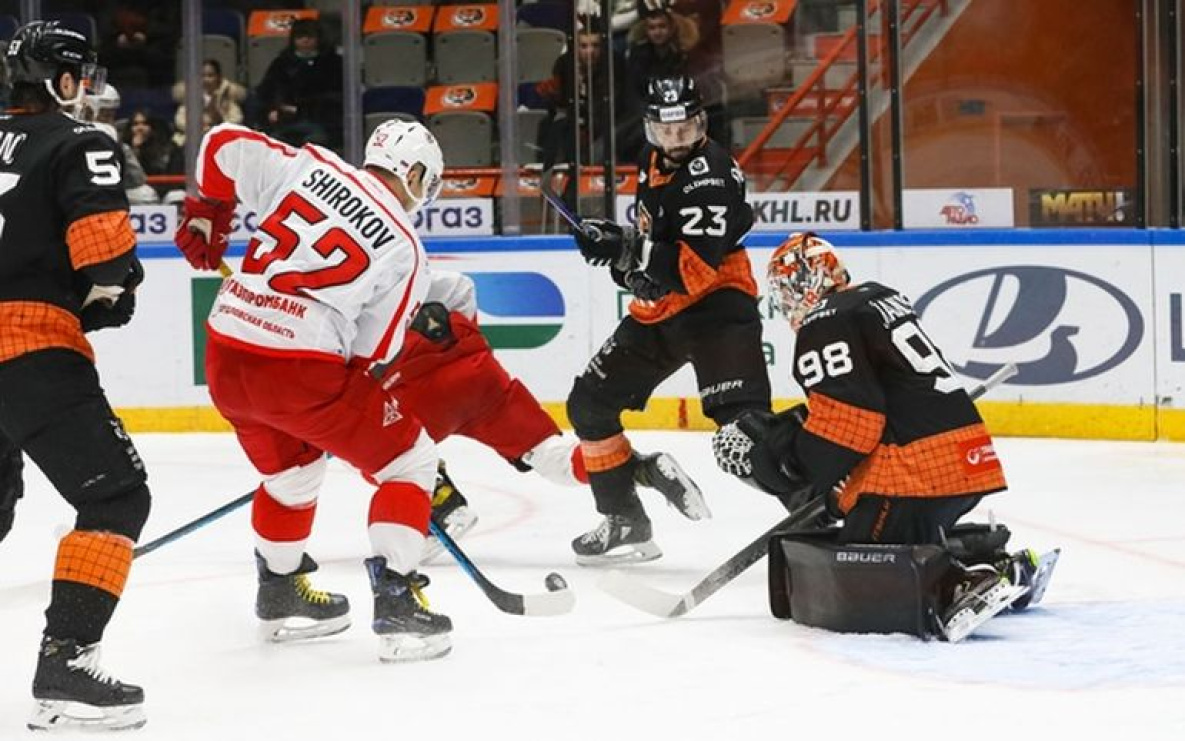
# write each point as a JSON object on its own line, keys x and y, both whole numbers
{"x": 1061, "y": 207}
{"x": 786, "y": 212}
{"x": 961, "y": 208}
{"x": 1087, "y": 323}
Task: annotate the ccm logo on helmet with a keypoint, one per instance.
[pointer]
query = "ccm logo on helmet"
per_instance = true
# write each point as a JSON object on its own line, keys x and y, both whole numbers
{"x": 862, "y": 557}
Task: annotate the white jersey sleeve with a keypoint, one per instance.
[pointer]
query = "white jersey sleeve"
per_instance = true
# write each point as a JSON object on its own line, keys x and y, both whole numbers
{"x": 334, "y": 268}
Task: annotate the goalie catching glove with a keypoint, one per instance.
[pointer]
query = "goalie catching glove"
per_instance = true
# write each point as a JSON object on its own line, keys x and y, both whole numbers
{"x": 758, "y": 448}
{"x": 204, "y": 232}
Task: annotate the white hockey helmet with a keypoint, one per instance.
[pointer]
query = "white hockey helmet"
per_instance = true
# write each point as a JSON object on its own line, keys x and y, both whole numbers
{"x": 397, "y": 146}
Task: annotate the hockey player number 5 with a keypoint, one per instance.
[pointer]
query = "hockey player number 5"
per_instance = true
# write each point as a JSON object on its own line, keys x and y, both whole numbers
{"x": 104, "y": 169}
{"x": 285, "y": 241}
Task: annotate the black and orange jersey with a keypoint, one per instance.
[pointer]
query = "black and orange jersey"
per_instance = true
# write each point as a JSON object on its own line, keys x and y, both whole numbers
{"x": 694, "y": 216}
{"x": 885, "y": 406}
{"x": 64, "y": 227}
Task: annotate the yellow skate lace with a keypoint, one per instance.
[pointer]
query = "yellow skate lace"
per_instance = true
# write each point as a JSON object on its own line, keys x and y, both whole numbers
{"x": 308, "y": 593}
{"x": 418, "y": 592}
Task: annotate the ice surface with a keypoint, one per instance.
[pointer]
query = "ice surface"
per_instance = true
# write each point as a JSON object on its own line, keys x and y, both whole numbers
{"x": 1103, "y": 656}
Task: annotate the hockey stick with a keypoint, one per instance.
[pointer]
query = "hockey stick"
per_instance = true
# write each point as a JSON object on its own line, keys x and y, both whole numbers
{"x": 664, "y": 604}
{"x": 189, "y": 527}
{"x": 557, "y": 600}
{"x": 557, "y": 202}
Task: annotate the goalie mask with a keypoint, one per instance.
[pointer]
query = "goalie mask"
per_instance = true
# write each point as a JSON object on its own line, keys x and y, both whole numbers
{"x": 397, "y": 147}
{"x": 803, "y": 270}
{"x": 675, "y": 120}
{"x": 41, "y": 51}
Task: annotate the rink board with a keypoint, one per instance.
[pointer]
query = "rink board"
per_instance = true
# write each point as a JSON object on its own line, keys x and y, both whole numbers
{"x": 1093, "y": 317}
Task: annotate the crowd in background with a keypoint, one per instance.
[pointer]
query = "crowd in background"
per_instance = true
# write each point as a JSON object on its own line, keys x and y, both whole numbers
{"x": 299, "y": 99}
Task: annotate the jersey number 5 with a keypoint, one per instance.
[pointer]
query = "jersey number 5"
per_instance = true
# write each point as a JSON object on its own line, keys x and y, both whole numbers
{"x": 285, "y": 241}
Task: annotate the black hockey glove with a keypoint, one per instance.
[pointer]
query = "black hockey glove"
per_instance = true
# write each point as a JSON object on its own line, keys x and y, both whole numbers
{"x": 643, "y": 286}
{"x": 432, "y": 321}
{"x": 758, "y": 448}
{"x": 604, "y": 242}
{"x": 103, "y": 313}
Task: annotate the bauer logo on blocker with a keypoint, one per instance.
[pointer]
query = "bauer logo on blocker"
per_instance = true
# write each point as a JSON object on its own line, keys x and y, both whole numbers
{"x": 1060, "y": 325}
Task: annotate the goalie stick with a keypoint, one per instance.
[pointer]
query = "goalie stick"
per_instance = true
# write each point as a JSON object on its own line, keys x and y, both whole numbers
{"x": 559, "y": 599}
{"x": 660, "y": 603}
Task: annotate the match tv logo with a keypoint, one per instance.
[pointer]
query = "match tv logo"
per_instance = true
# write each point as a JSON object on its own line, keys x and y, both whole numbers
{"x": 520, "y": 310}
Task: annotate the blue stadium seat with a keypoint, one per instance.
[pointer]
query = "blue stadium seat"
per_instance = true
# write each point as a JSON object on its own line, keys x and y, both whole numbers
{"x": 224, "y": 22}
{"x": 546, "y": 15}
{"x": 394, "y": 99}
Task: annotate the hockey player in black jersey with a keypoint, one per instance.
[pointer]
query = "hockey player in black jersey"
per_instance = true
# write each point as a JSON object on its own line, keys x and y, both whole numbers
{"x": 68, "y": 266}
{"x": 694, "y": 301}
{"x": 888, "y": 436}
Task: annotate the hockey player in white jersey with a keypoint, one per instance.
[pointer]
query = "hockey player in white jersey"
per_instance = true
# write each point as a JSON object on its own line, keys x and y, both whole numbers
{"x": 329, "y": 284}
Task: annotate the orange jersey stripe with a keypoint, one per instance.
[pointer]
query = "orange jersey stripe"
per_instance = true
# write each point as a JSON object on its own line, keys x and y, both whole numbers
{"x": 844, "y": 424}
{"x": 952, "y": 463}
{"x": 26, "y": 326}
{"x": 97, "y": 559}
{"x": 603, "y": 455}
{"x": 99, "y": 237}
{"x": 734, "y": 272}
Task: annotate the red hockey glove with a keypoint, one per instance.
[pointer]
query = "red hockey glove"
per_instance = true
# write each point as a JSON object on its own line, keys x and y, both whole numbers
{"x": 204, "y": 231}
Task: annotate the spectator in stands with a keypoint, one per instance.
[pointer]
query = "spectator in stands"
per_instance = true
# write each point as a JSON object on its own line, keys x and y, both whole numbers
{"x": 301, "y": 92}
{"x": 140, "y": 47}
{"x": 583, "y": 106}
{"x": 150, "y": 141}
{"x": 659, "y": 45}
{"x": 100, "y": 110}
{"x": 221, "y": 98}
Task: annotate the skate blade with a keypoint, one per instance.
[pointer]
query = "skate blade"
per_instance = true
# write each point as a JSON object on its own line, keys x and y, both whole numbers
{"x": 286, "y": 630}
{"x": 623, "y": 555}
{"x": 1045, "y": 566}
{"x": 992, "y": 603}
{"x": 459, "y": 522}
{"x": 52, "y": 715}
{"x": 400, "y": 648}
{"x": 690, "y": 502}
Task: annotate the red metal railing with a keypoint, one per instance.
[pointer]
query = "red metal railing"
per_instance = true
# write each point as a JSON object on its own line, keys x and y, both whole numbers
{"x": 811, "y": 145}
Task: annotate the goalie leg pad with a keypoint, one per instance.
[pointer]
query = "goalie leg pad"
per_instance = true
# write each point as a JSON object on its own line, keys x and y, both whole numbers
{"x": 815, "y": 581}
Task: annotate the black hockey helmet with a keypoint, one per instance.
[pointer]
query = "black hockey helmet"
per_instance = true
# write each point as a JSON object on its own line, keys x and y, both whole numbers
{"x": 674, "y": 117}
{"x": 40, "y": 51}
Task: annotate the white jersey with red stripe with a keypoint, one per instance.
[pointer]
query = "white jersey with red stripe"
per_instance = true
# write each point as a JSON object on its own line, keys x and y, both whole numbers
{"x": 335, "y": 267}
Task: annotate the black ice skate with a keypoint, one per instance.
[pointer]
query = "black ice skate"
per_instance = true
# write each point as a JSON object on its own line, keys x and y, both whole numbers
{"x": 450, "y": 509}
{"x": 291, "y": 610}
{"x": 982, "y": 594}
{"x": 660, "y": 471}
{"x": 619, "y": 539}
{"x": 73, "y": 691}
{"x": 407, "y": 629}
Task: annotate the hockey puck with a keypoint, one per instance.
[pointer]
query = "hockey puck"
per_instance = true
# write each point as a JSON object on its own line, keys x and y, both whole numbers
{"x": 554, "y": 582}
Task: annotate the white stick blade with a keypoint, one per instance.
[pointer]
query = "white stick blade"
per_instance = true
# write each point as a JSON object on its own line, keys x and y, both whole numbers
{"x": 549, "y": 603}
{"x": 623, "y": 587}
